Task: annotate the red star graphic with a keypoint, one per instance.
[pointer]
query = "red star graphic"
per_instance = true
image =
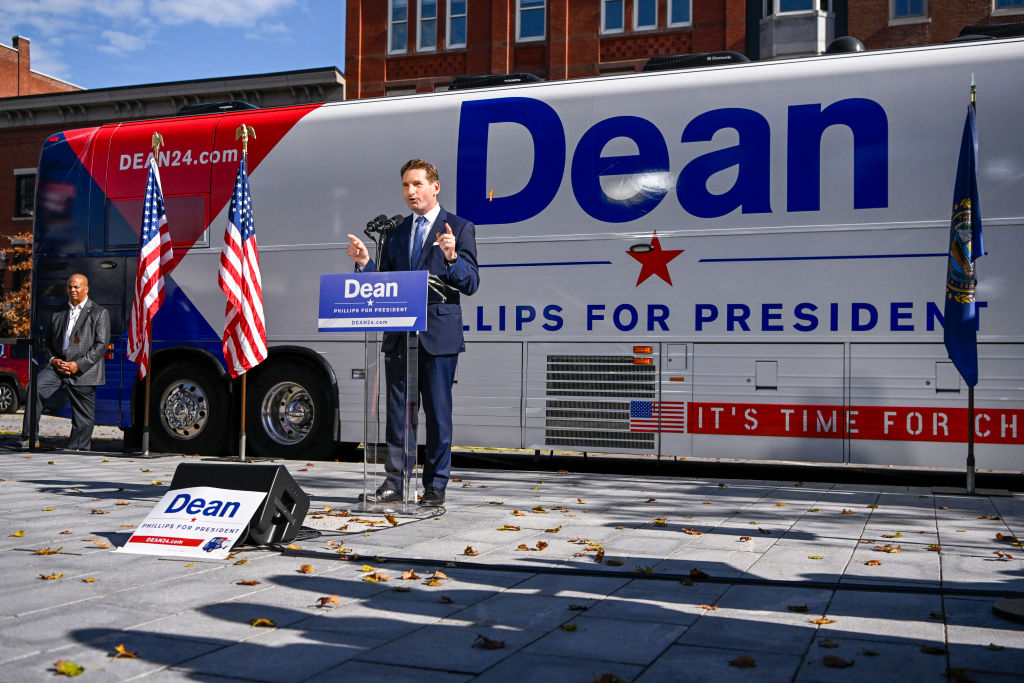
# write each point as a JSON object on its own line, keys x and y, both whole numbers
{"x": 193, "y": 519}
{"x": 655, "y": 261}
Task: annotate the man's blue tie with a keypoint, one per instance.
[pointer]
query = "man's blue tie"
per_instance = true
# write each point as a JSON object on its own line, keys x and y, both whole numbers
{"x": 417, "y": 241}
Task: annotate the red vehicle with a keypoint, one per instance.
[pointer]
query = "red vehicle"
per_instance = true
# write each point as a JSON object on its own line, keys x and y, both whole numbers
{"x": 14, "y": 362}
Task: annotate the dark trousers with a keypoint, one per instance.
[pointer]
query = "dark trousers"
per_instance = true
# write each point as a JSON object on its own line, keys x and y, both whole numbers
{"x": 52, "y": 391}
{"x": 436, "y": 376}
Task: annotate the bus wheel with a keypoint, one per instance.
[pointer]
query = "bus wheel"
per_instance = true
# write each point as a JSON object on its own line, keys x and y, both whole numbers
{"x": 288, "y": 413}
{"x": 189, "y": 410}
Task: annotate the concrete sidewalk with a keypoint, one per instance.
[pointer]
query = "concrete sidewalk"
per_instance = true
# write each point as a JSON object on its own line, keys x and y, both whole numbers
{"x": 698, "y": 580}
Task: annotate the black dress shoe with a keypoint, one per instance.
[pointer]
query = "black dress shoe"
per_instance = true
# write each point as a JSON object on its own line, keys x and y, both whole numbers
{"x": 381, "y": 495}
{"x": 432, "y": 497}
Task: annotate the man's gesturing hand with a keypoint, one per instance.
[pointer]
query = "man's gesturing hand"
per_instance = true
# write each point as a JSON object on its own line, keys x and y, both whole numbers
{"x": 357, "y": 251}
{"x": 447, "y": 243}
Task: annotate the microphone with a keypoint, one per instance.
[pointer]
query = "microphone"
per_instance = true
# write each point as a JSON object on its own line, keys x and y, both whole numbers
{"x": 391, "y": 223}
{"x": 374, "y": 225}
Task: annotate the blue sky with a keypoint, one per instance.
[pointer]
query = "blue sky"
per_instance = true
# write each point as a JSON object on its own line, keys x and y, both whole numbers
{"x": 110, "y": 43}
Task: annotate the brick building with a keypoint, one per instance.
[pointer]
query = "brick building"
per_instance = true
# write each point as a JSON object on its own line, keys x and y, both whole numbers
{"x": 26, "y": 120}
{"x": 402, "y": 46}
{"x": 18, "y": 78}
{"x": 899, "y": 23}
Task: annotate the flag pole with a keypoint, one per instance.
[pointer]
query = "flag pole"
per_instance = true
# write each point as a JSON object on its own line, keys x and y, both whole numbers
{"x": 241, "y": 437}
{"x": 970, "y": 390}
{"x": 158, "y": 140}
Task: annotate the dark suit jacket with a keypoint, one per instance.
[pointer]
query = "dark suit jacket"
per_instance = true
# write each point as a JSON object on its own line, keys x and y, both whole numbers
{"x": 444, "y": 320}
{"x": 87, "y": 345}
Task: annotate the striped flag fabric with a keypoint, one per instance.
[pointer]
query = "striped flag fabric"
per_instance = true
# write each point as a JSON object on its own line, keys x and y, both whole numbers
{"x": 156, "y": 258}
{"x": 657, "y": 416}
{"x": 245, "y": 334}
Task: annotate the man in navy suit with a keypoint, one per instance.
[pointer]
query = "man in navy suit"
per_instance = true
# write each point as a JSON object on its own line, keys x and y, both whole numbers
{"x": 443, "y": 244}
{"x": 74, "y": 348}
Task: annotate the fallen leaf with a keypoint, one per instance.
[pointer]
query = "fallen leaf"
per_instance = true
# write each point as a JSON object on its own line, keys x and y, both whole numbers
{"x": 446, "y": 600}
{"x": 798, "y": 608}
{"x": 376, "y": 577}
{"x": 49, "y": 509}
{"x": 265, "y": 623}
{"x": 508, "y": 527}
{"x": 691, "y": 532}
{"x": 327, "y": 600}
{"x": 99, "y": 543}
{"x": 651, "y": 500}
{"x": 65, "y": 667}
{"x": 873, "y": 563}
{"x": 614, "y": 562}
{"x": 100, "y": 512}
{"x": 432, "y": 581}
{"x": 799, "y": 483}
{"x": 578, "y": 608}
{"x": 122, "y": 502}
{"x": 306, "y": 569}
{"x": 466, "y": 485}
{"x": 888, "y": 548}
{"x": 190, "y": 564}
{"x": 823, "y": 620}
{"x": 157, "y": 482}
{"x": 815, "y": 557}
{"x": 51, "y": 577}
{"x": 410, "y": 575}
{"x": 708, "y": 607}
{"x": 122, "y": 651}
{"x": 541, "y": 545}
{"x": 781, "y": 505}
{"x": 847, "y": 511}
{"x": 868, "y": 653}
{"x": 539, "y": 510}
{"x": 621, "y": 526}
{"x": 249, "y": 582}
{"x": 943, "y": 507}
{"x": 834, "y": 662}
{"x": 469, "y": 551}
{"x": 815, "y": 510}
{"x": 767, "y": 532}
{"x": 49, "y": 551}
{"x": 744, "y": 538}
{"x": 243, "y": 561}
{"x": 20, "y": 534}
{"x": 599, "y": 556}
{"x": 828, "y": 644}
{"x": 402, "y": 589}
{"x": 743, "y": 662}
{"x": 391, "y": 520}
{"x": 872, "y": 506}
{"x": 697, "y": 573}
{"x": 994, "y": 647}
{"x": 660, "y": 521}
{"x": 553, "y": 530}
{"x": 581, "y": 501}
{"x": 568, "y": 627}
{"x": 895, "y": 535}
{"x": 934, "y": 548}
{"x": 486, "y": 643}
{"x": 89, "y": 580}
{"x": 495, "y": 502}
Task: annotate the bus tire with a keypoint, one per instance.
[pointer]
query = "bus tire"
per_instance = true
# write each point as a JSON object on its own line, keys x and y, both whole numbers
{"x": 189, "y": 411}
{"x": 288, "y": 412}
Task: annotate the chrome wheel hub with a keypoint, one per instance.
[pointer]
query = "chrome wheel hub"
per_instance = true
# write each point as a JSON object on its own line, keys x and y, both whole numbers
{"x": 287, "y": 413}
{"x": 184, "y": 409}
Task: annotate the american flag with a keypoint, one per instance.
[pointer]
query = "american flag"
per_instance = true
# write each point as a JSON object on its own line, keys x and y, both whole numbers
{"x": 155, "y": 260}
{"x": 245, "y": 334}
{"x": 657, "y": 416}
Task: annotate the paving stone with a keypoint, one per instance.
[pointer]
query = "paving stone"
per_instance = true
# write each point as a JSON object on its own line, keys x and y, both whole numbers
{"x": 560, "y": 668}
{"x": 712, "y": 665}
{"x": 871, "y": 661}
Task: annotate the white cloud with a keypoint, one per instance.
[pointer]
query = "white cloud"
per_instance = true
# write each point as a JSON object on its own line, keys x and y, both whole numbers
{"x": 119, "y": 43}
{"x": 216, "y": 12}
{"x": 275, "y": 32}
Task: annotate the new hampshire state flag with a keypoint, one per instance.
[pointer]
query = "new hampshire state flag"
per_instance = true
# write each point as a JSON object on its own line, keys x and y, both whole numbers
{"x": 960, "y": 329}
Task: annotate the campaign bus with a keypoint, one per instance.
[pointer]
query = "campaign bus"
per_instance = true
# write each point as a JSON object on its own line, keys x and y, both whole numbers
{"x": 744, "y": 261}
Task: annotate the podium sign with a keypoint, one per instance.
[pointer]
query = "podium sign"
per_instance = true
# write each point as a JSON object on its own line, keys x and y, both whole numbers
{"x": 361, "y": 302}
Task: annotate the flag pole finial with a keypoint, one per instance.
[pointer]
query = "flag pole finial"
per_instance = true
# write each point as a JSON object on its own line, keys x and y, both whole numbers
{"x": 974, "y": 89}
{"x": 158, "y": 141}
{"x": 244, "y": 132}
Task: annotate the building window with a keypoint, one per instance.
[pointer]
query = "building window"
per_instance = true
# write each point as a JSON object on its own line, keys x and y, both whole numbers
{"x": 612, "y": 16}
{"x": 24, "y": 193}
{"x": 426, "y": 34}
{"x": 909, "y": 9}
{"x": 786, "y": 6}
{"x": 531, "y": 19}
{"x": 398, "y": 26}
{"x": 1008, "y": 7}
{"x": 645, "y": 14}
{"x": 456, "y": 23}
{"x": 680, "y": 13}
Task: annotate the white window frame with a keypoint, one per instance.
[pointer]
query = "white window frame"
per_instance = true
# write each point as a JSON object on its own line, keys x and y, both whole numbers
{"x": 448, "y": 25}
{"x": 671, "y": 4}
{"x": 420, "y": 47}
{"x": 909, "y": 18}
{"x": 636, "y": 17}
{"x": 18, "y": 174}
{"x": 997, "y": 10}
{"x": 605, "y": 31}
{"x": 519, "y": 28}
{"x": 391, "y": 24}
{"x": 815, "y": 7}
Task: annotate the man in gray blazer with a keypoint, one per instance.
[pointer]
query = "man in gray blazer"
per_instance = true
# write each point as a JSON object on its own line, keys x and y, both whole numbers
{"x": 73, "y": 349}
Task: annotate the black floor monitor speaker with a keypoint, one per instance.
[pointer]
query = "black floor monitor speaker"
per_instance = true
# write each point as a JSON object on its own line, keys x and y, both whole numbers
{"x": 278, "y": 519}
